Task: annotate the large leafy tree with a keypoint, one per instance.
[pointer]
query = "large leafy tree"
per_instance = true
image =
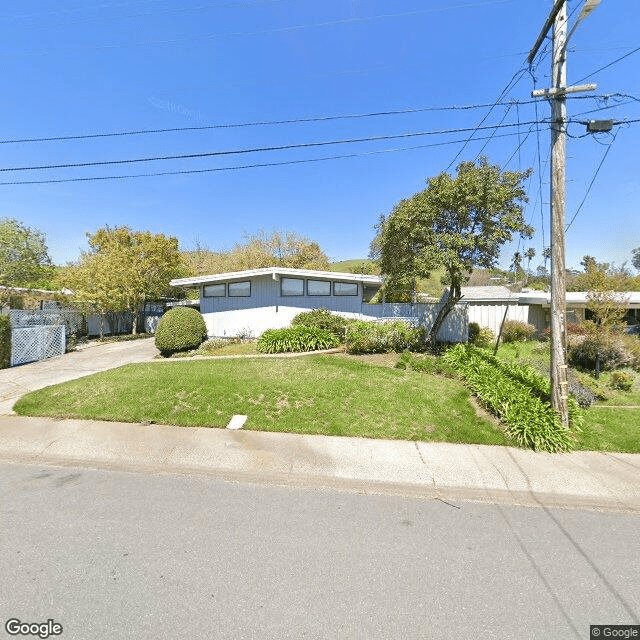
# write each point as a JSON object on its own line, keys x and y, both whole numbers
{"x": 125, "y": 269}
{"x": 24, "y": 257}
{"x": 275, "y": 249}
{"x": 458, "y": 222}
{"x": 635, "y": 258}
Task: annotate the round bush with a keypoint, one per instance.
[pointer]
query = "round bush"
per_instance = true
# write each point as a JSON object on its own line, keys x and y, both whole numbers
{"x": 322, "y": 319}
{"x": 180, "y": 329}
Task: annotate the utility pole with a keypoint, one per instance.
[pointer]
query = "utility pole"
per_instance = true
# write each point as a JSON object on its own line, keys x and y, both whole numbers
{"x": 557, "y": 96}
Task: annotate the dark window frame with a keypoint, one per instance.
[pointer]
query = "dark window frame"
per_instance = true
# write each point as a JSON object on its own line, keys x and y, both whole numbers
{"x": 318, "y": 294}
{"x": 291, "y": 295}
{"x": 346, "y": 294}
{"x": 218, "y": 284}
{"x": 242, "y": 295}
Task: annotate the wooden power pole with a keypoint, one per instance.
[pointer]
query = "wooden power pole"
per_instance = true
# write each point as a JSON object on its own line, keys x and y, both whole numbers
{"x": 557, "y": 96}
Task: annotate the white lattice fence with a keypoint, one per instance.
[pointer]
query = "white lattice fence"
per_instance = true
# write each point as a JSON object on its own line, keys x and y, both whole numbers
{"x": 37, "y": 343}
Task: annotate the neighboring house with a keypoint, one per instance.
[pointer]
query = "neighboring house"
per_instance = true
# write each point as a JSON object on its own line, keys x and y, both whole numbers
{"x": 250, "y": 302}
{"x": 487, "y": 306}
{"x": 539, "y": 305}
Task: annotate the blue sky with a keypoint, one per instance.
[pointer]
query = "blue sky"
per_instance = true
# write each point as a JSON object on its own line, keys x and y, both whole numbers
{"x": 80, "y": 68}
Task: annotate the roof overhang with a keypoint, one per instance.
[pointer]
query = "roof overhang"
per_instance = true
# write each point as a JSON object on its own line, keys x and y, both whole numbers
{"x": 276, "y": 273}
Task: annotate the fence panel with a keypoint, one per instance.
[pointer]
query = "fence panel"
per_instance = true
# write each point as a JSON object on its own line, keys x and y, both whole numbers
{"x": 73, "y": 320}
{"x": 454, "y": 329}
{"x": 29, "y": 344}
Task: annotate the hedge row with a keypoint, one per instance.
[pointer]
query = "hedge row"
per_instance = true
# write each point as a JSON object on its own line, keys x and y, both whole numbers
{"x": 5, "y": 342}
{"x": 518, "y": 395}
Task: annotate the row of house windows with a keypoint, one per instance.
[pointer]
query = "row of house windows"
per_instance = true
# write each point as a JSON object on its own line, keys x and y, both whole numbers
{"x": 288, "y": 287}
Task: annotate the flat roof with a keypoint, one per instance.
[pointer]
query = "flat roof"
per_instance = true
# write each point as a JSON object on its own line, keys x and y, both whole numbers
{"x": 275, "y": 272}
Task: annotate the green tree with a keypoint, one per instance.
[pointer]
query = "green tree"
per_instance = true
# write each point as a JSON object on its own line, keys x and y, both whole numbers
{"x": 275, "y": 249}
{"x": 635, "y": 258}
{"x": 516, "y": 264}
{"x": 529, "y": 254}
{"x": 458, "y": 222}
{"x": 24, "y": 257}
{"x": 125, "y": 269}
{"x": 587, "y": 263}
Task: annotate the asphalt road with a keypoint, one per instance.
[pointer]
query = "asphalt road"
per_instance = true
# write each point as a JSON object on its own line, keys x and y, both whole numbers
{"x": 112, "y": 554}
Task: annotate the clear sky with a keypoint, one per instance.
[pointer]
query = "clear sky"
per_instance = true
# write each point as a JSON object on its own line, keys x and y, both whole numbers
{"x": 80, "y": 68}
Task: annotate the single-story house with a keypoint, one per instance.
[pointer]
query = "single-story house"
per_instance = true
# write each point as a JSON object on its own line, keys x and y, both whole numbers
{"x": 487, "y": 306}
{"x": 250, "y": 302}
{"x": 539, "y": 306}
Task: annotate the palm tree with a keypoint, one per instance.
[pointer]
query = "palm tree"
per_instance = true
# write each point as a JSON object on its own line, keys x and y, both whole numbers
{"x": 515, "y": 263}
{"x": 529, "y": 254}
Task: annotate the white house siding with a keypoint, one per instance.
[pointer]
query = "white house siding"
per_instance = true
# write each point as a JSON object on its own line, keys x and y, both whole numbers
{"x": 490, "y": 314}
{"x": 266, "y": 309}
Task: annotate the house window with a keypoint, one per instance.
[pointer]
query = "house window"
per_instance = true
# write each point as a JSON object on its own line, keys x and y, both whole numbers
{"x": 291, "y": 287}
{"x": 214, "y": 290}
{"x": 345, "y": 288}
{"x": 240, "y": 289}
{"x": 318, "y": 288}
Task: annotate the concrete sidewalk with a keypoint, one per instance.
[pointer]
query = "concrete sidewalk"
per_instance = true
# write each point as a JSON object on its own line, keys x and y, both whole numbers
{"x": 449, "y": 472}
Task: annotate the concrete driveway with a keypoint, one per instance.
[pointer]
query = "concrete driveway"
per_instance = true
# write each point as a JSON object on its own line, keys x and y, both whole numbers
{"x": 17, "y": 381}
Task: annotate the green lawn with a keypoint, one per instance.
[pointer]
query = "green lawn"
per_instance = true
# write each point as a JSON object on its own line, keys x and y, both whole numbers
{"x": 606, "y": 427}
{"x": 329, "y": 395}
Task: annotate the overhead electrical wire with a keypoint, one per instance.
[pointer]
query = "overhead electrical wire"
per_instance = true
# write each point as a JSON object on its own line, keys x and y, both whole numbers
{"x": 240, "y": 167}
{"x": 610, "y": 64}
{"x": 261, "y": 32}
{"x": 302, "y": 145}
{"x": 604, "y": 157}
{"x": 260, "y": 123}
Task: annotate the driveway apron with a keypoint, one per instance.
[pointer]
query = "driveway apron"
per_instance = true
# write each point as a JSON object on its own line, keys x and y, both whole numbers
{"x": 17, "y": 381}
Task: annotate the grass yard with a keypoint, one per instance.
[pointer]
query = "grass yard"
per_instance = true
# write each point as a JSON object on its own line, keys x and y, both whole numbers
{"x": 328, "y": 395}
{"x": 611, "y": 424}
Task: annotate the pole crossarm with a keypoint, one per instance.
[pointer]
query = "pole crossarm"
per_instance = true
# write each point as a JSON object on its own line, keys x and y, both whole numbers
{"x": 561, "y": 91}
{"x": 545, "y": 29}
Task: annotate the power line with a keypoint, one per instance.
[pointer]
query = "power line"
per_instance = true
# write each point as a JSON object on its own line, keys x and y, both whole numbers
{"x": 514, "y": 80}
{"x": 292, "y": 28}
{"x": 259, "y": 123}
{"x": 240, "y": 167}
{"x": 604, "y": 157}
{"x": 209, "y": 154}
{"x": 610, "y": 64}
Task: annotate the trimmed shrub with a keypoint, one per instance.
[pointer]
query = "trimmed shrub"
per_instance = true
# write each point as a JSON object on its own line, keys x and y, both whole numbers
{"x": 481, "y": 337}
{"x": 5, "y": 342}
{"x": 323, "y": 319}
{"x": 516, "y": 331}
{"x": 518, "y": 395}
{"x": 296, "y": 339}
{"x": 383, "y": 337}
{"x": 180, "y": 329}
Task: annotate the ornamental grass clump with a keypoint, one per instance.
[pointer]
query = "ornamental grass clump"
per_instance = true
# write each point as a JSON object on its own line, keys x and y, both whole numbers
{"x": 296, "y": 339}
{"x": 180, "y": 329}
{"x": 518, "y": 395}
